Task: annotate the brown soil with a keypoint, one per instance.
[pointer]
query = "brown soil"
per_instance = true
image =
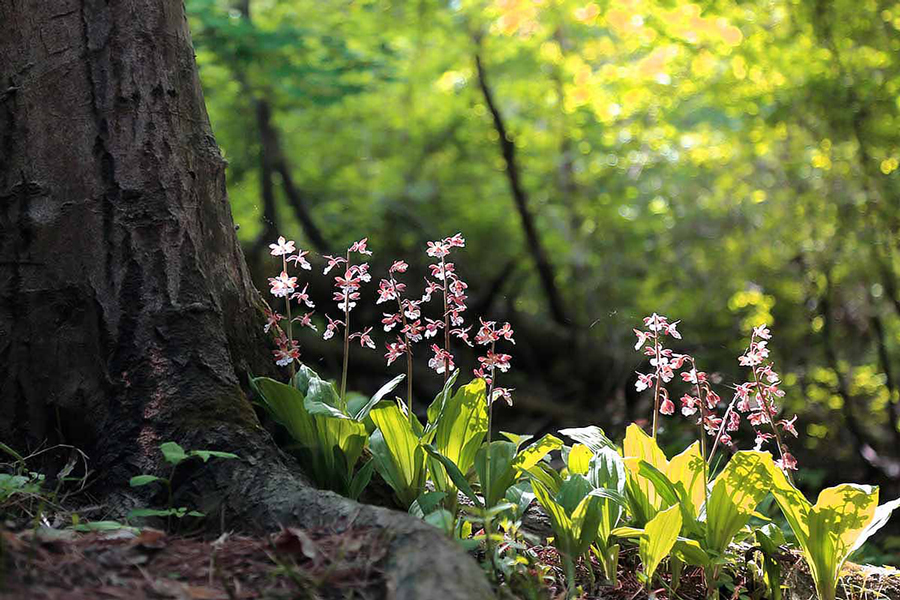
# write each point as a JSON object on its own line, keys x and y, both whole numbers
{"x": 121, "y": 565}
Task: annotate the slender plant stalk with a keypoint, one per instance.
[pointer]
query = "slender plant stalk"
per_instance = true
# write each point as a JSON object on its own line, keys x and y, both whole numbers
{"x": 488, "y": 521}
{"x": 346, "y": 341}
{"x": 702, "y": 429}
{"x": 409, "y": 363}
{"x": 765, "y": 407}
{"x": 656, "y": 390}
{"x": 702, "y": 410}
{"x": 446, "y": 322}
{"x": 721, "y": 430}
{"x": 290, "y": 324}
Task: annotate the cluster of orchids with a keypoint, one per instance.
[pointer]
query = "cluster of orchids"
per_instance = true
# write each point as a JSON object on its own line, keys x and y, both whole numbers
{"x": 757, "y": 398}
{"x": 405, "y": 314}
{"x": 754, "y": 398}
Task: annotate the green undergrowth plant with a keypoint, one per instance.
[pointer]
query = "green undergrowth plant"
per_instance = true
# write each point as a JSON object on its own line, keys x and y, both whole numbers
{"x": 175, "y": 456}
{"x": 698, "y": 509}
{"x": 329, "y": 434}
{"x": 841, "y": 520}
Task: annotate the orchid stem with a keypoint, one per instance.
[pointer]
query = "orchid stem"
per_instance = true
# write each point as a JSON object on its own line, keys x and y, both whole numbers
{"x": 346, "y": 340}
{"x": 446, "y": 322}
{"x": 656, "y": 389}
{"x": 290, "y": 323}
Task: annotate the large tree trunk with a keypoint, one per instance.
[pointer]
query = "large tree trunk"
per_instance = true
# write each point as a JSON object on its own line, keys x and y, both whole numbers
{"x": 127, "y": 316}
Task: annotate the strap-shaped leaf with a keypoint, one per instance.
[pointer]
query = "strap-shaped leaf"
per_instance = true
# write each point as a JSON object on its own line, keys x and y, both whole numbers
{"x": 461, "y": 428}
{"x": 644, "y": 501}
{"x": 516, "y": 438}
{"x": 386, "y": 389}
{"x": 361, "y": 479}
{"x": 535, "y": 451}
{"x": 689, "y": 470}
{"x": 403, "y": 449}
{"x": 437, "y": 405}
{"x": 591, "y": 436}
{"x": 736, "y": 493}
{"x": 455, "y": 474}
{"x": 659, "y": 538}
{"x": 882, "y": 515}
{"x": 612, "y": 495}
{"x": 559, "y": 518}
{"x": 502, "y": 473}
{"x": 426, "y": 503}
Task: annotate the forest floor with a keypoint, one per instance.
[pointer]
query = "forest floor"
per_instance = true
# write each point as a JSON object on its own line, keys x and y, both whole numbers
{"x": 63, "y": 565}
{"x": 52, "y": 564}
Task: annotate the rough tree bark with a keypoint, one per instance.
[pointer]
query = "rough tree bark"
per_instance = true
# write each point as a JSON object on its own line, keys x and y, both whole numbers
{"x": 127, "y": 316}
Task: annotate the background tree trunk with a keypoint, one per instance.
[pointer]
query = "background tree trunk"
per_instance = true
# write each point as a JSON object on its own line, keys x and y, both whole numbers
{"x": 127, "y": 316}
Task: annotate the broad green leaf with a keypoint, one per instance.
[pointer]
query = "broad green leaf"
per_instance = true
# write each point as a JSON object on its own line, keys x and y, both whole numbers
{"x": 547, "y": 475}
{"x": 572, "y": 492}
{"x": 285, "y": 403}
{"x": 502, "y": 473}
{"x": 769, "y": 538}
{"x": 522, "y": 495}
{"x": 736, "y": 493}
{"x": 460, "y": 430}
{"x": 691, "y": 552}
{"x": 659, "y": 538}
{"x": 535, "y": 451}
{"x": 643, "y": 497}
{"x": 437, "y": 405}
{"x": 206, "y": 454}
{"x": 139, "y": 480}
{"x": 591, "y": 436}
{"x": 173, "y": 453}
{"x": 329, "y": 446}
{"x": 455, "y": 474}
{"x": 559, "y": 518}
{"x": 361, "y": 479}
{"x": 426, "y": 504}
{"x": 516, "y": 439}
{"x": 402, "y": 449}
{"x": 442, "y": 519}
{"x": 386, "y": 389}
{"x": 882, "y": 515}
{"x": 607, "y": 470}
{"x": 828, "y": 531}
{"x": 689, "y": 470}
{"x": 579, "y": 459}
{"x": 585, "y": 522}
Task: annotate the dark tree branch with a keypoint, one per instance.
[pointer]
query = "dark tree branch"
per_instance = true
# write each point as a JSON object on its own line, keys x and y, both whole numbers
{"x": 269, "y": 216}
{"x": 296, "y": 199}
{"x": 857, "y": 431}
{"x": 495, "y": 287}
{"x": 272, "y": 159}
{"x": 890, "y": 382}
{"x": 508, "y": 150}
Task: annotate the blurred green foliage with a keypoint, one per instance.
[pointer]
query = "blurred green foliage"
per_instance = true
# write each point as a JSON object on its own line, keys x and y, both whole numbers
{"x": 724, "y": 162}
